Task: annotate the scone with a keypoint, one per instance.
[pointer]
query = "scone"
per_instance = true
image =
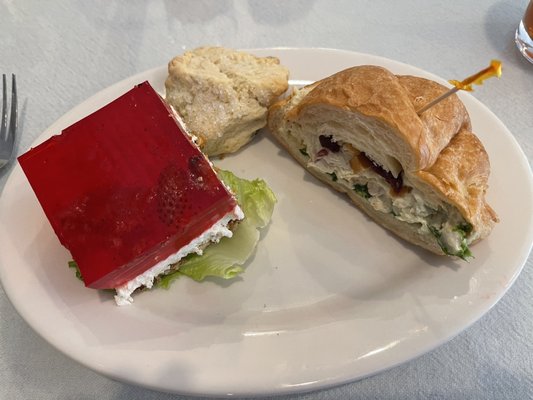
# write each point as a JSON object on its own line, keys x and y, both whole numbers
{"x": 223, "y": 95}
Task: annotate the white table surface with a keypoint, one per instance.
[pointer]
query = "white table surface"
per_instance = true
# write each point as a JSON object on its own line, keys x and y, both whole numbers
{"x": 65, "y": 51}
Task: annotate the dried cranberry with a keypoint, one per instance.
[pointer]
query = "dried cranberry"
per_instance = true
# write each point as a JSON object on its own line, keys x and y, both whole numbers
{"x": 328, "y": 143}
{"x": 321, "y": 153}
{"x": 396, "y": 183}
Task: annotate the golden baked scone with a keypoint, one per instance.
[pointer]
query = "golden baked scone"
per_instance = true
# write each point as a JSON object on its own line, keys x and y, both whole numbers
{"x": 223, "y": 95}
{"x": 422, "y": 177}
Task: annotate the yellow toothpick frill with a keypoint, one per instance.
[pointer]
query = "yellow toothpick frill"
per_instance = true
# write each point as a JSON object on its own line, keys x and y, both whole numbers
{"x": 494, "y": 69}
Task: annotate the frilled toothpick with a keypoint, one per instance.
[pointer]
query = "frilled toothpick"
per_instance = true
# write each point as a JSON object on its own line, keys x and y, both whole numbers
{"x": 494, "y": 69}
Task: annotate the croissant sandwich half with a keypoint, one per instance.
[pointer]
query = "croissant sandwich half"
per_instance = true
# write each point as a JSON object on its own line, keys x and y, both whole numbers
{"x": 422, "y": 177}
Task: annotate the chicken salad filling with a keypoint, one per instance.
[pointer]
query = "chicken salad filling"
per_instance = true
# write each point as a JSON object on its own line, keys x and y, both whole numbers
{"x": 389, "y": 192}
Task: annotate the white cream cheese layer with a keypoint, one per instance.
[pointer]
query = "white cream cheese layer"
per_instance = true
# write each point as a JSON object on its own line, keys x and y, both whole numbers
{"x": 214, "y": 234}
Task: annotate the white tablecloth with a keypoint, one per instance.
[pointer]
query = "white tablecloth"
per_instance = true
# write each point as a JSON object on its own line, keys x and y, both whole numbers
{"x": 65, "y": 51}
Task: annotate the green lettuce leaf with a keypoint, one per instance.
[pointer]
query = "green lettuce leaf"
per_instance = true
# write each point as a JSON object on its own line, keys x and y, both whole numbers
{"x": 74, "y": 266}
{"x": 255, "y": 197}
{"x": 225, "y": 258}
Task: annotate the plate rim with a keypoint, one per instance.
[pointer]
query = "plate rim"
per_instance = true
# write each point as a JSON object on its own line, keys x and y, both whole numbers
{"x": 322, "y": 385}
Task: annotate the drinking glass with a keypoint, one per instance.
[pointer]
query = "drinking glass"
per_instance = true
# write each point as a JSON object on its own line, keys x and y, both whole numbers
{"x": 524, "y": 34}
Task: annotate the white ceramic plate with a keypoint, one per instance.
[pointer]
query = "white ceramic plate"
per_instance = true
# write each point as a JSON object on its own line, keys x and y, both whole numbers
{"x": 329, "y": 297}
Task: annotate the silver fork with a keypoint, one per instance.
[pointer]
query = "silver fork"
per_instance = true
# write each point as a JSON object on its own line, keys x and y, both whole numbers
{"x": 7, "y": 135}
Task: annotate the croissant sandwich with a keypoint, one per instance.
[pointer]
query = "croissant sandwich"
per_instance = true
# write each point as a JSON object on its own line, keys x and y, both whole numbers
{"x": 422, "y": 177}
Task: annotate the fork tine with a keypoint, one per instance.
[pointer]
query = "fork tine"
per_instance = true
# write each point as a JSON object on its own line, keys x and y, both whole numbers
{"x": 3, "y": 128}
{"x": 13, "y": 120}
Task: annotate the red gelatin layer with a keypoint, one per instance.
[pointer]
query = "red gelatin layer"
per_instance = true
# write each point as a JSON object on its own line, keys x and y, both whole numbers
{"x": 124, "y": 188}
